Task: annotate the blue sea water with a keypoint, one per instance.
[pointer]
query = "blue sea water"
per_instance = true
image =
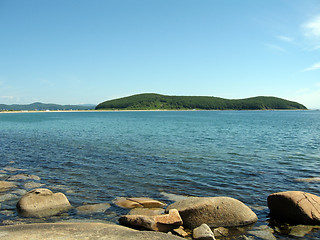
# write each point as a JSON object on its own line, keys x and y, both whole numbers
{"x": 94, "y": 157}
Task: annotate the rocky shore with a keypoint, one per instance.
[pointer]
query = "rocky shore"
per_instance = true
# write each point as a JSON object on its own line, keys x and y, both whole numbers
{"x": 40, "y": 212}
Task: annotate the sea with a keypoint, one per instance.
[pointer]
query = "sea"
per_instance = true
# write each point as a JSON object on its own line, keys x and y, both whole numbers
{"x": 97, "y": 157}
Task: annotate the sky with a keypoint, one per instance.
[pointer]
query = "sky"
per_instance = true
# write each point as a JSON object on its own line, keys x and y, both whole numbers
{"x": 90, "y": 51}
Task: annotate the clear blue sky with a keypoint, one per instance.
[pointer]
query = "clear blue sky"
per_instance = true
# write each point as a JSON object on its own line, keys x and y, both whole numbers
{"x": 89, "y": 51}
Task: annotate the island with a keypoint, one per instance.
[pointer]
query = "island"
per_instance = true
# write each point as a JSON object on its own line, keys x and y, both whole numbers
{"x": 153, "y": 101}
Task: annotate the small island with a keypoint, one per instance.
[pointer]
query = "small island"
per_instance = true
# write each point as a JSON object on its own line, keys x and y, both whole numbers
{"x": 152, "y": 101}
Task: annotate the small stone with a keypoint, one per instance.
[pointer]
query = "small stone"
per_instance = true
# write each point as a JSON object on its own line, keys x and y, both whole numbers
{"x": 93, "y": 208}
{"x": 180, "y": 232}
{"x": 203, "y": 232}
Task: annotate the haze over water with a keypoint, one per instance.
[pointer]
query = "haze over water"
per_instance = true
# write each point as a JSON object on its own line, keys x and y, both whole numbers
{"x": 95, "y": 157}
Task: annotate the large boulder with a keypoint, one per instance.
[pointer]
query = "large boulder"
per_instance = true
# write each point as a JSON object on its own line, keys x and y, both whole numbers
{"x": 78, "y": 231}
{"x": 214, "y": 211}
{"x": 42, "y": 202}
{"x": 4, "y": 186}
{"x": 159, "y": 223}
{"x": 295, "y": 207}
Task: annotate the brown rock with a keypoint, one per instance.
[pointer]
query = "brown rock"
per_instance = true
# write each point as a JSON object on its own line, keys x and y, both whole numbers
{"x": 180, "y": 232}
{"x": 42, "y": 202}
{"x": 160, "y": 223}
{"x": 139, "y": 202}
{"x": 173, "y": 218}
{"x": 295, "y": 207}
{"x": 214, "y": 211}
{"x": 4, "y": 186}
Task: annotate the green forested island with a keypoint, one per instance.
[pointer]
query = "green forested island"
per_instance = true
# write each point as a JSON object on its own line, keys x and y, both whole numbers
{"x": 152, "y": 101}
{"x": 37, "y": 106}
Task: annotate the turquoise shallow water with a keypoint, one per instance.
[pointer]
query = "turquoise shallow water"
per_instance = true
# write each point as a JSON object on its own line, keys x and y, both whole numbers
{"x": 94, "y": 157}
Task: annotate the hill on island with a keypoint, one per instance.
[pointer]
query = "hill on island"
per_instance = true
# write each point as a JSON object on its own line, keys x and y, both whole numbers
{"x": 151, "y": 101}
{"x": 37, "y": 106}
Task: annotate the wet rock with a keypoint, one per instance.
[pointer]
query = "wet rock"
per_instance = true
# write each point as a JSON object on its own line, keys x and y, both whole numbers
{"x": 263, "y": 232}
{"x": 214, "y": 211}
{"x": 93, "y": 208}
{"x": 139, "y": 202}
{"x": 221, "y": 232}
{"x": 312, "y": 179}
{"x": 42, "y": 202}
{"x": 146, "y": 211}
{"x": 13, "y": 169}
{"x": 295, "y": 207}
{"x": 4, "y": 186}
{"x": 31, "y": 185}
{"x": 2, "y": 171}
{"x": 23, "y": 177}
{"x": 79, "y": 231}
{"x": 7, "y": 197}
{"x": 174, "y": 197}
{"x": 203, "y": 232}
{"x": 7, "y": 213}
{"x": 160, "y": 223}
{"x": 19, "y": 192}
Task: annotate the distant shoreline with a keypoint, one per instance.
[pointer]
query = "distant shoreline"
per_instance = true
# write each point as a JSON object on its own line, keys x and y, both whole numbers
{"x": 153, "y": 110}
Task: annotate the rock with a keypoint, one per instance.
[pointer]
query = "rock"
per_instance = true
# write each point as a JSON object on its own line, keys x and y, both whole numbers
{"x": 160, "y": 223}
{"x": 295, "y": 207}
{"x": 93, "y": 208}
{"x": 42, "y": 202}
{"x": 13, "y": 169}
{"x": 79, "y": 231}
{"x": 214, "y": 211}
{"x": 263, "y": 232}
{"x": 6, "y": 197}
{"x": 180, "y": 232}
{"x": 146, "y": 211}
{"x": 174, "y": 197}
{"x": 4, "y": 186}
{"x": 221, "y": 232}
{"x": 24, "y": 177}
{"x": 19, "y": 192}
{"x": 313, "y": 179}
{"x": 300, "y": 230}
{"x": 30, "y": 185}
{"x": 203, "y": 232}
{"x": 139, "y": 202}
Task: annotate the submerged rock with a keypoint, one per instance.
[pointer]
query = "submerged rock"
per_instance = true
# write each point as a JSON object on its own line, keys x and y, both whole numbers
{"x": 4, "y": 186}
{"x": 6, "y": 197}
{"x": 146, "y": 211}
{"x": 263, "y": 232}
{"x": 312, "y": 179}
{"x": 42, "y": 202}
{"x": 93, "y": 208}
{"x": 214, "y": 211}
{"x": 30, "y": 185}
{"x": 295, "y": 207}
{"x": 23, "y": 176}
